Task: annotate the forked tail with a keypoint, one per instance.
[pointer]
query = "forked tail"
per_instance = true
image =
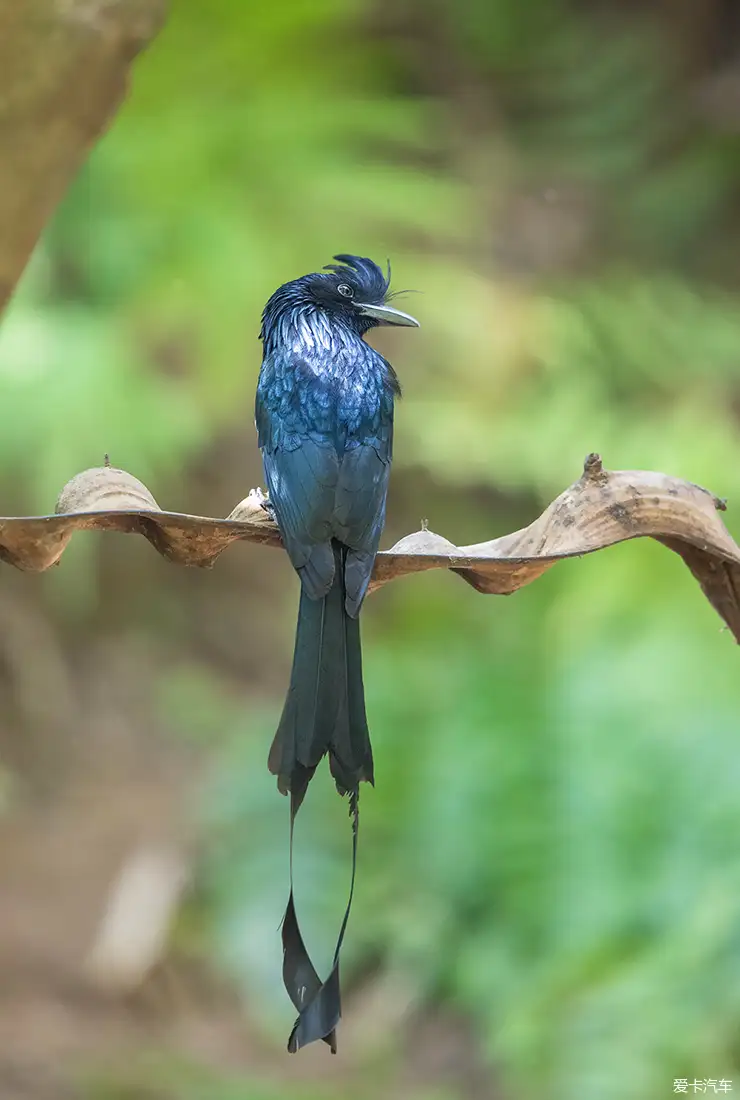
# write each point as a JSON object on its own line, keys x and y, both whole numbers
{"x": 324, "y": 709}
{"x": 324, "y": 712}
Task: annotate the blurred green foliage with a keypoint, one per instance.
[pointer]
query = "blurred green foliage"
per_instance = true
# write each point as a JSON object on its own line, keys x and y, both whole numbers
{"x": 553, "y": 845}
{"x": 154, "y": 1077}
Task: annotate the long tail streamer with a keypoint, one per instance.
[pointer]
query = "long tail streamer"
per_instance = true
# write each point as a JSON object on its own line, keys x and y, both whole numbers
{"x": 318, "y": 1003}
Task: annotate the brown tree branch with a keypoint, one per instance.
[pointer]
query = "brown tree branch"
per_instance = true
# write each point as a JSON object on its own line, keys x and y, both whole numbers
{"x": 600, "y": 509}
{"x": 64, "y": 68}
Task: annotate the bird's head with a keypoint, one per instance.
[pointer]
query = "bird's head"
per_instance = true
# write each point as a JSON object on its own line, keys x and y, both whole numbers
{"x": 353, "y": 292}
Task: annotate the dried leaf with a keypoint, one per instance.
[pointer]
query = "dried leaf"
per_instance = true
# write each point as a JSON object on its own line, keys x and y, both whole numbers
{"x": 600, "y": 509}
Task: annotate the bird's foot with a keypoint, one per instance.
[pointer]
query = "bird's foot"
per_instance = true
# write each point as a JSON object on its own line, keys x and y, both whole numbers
{"x": 269, "y": 507}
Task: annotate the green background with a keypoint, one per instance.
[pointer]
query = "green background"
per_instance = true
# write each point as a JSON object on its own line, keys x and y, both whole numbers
{"x": 548, "y": 903}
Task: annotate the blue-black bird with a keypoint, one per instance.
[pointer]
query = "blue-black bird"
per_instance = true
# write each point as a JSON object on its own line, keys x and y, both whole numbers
{"x": 324, "y": 416}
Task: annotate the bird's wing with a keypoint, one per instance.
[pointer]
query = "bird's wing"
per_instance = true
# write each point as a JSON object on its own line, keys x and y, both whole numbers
{"x": 301, "y": 470}
{"x": 359, "y": 507}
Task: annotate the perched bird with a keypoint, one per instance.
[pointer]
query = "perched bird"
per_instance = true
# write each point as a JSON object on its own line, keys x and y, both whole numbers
{"x": 324, "y": 416}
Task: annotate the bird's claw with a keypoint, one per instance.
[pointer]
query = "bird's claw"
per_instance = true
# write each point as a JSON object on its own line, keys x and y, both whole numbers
{"x": 269, "y": 507}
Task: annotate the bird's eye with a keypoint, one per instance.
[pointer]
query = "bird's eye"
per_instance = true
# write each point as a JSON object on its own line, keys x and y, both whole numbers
{"x": 345, "y": 290}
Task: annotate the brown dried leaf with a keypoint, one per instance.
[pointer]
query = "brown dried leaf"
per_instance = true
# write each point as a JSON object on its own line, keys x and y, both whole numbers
{"x": 600, "y": 509}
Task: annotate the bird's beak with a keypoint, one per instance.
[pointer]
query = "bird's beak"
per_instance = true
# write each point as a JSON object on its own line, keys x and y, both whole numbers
{"x": 387, "y": 315}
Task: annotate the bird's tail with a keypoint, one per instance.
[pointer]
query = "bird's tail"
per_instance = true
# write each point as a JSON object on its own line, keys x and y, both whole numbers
{"x": 324, "y": 710}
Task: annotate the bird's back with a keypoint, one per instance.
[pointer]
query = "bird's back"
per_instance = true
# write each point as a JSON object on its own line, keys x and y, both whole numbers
{"x": 340, "y": 394}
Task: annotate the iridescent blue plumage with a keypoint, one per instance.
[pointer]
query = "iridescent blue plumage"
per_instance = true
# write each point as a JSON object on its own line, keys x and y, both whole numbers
{"x": 325, "y": 421}
{"x": 324, "y": 415}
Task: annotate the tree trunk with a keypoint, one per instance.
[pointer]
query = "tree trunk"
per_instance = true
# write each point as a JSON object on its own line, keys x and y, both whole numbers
{"x": 64, "y": 67}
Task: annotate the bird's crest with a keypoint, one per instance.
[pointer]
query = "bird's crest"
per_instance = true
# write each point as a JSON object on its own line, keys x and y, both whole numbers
{"x": 364, "y": 273}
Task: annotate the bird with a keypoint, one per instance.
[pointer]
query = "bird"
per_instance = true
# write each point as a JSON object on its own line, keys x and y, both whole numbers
{"x": 324, "y": 417}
